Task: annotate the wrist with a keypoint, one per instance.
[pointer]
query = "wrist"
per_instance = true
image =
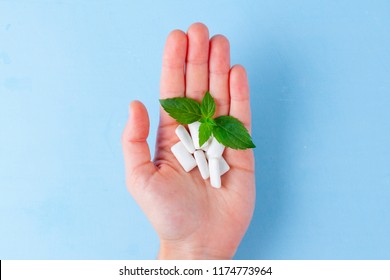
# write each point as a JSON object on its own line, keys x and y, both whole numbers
{"x": 180, "y": 250}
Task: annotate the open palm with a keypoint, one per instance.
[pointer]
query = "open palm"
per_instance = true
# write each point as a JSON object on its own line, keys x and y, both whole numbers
{"x": 192, "y": 219}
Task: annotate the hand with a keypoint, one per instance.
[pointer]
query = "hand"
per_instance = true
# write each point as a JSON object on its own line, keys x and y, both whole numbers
{"x": 193, "y": 219}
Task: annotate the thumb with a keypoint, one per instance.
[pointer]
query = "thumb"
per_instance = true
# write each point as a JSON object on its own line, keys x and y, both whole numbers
{"x": 135, "y": 148}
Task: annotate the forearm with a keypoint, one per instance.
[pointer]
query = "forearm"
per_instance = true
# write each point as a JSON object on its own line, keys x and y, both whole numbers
{"x": 182, "y": 251}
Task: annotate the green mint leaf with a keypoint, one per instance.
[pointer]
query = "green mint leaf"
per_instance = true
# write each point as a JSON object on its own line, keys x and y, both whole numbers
{"x": 183, "y": 110}
{"x": 208, "y": 106}
{"x": 205, "y": 131}
{"x": 230, "y": 132}
{"x": 210, "y": 121}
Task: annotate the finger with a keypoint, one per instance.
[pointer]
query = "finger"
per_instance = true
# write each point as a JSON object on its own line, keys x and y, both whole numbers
{"x": 172, "y": 75}
{"x": 239, "y": 95}
{"x": 135, "y": 148}
{"x": 219, "y": 73}
{"x": 197, "y": 61}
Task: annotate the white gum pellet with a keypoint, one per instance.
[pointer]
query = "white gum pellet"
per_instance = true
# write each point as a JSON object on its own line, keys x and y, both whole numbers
{"x": 215, "y": 149}
{"x": 184, "y": 157}
{"x": 215, "y": 177}
{"x": 223, "y": 166}
{"x": 208, "y": 158}
{"x": 185, "y": 138}
{"x": 206, "y": 146}
{"x": 202, "y": 164}
{"x": 194, "y": 130}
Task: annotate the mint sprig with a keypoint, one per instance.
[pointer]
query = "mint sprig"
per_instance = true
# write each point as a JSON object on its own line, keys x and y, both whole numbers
{"x": 232, "y": 133}
{"x": 228, "y": 130}
{"x": 183, "y": 110}
{"x": 205, "y": 132}
{"x": 208, "y": 106}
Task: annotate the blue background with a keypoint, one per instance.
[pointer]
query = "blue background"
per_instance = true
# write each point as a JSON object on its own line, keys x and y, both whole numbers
{"x": 320, "y": 84}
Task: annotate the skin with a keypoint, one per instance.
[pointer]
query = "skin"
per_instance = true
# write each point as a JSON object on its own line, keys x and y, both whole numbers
{"x": 193, "y": 220}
